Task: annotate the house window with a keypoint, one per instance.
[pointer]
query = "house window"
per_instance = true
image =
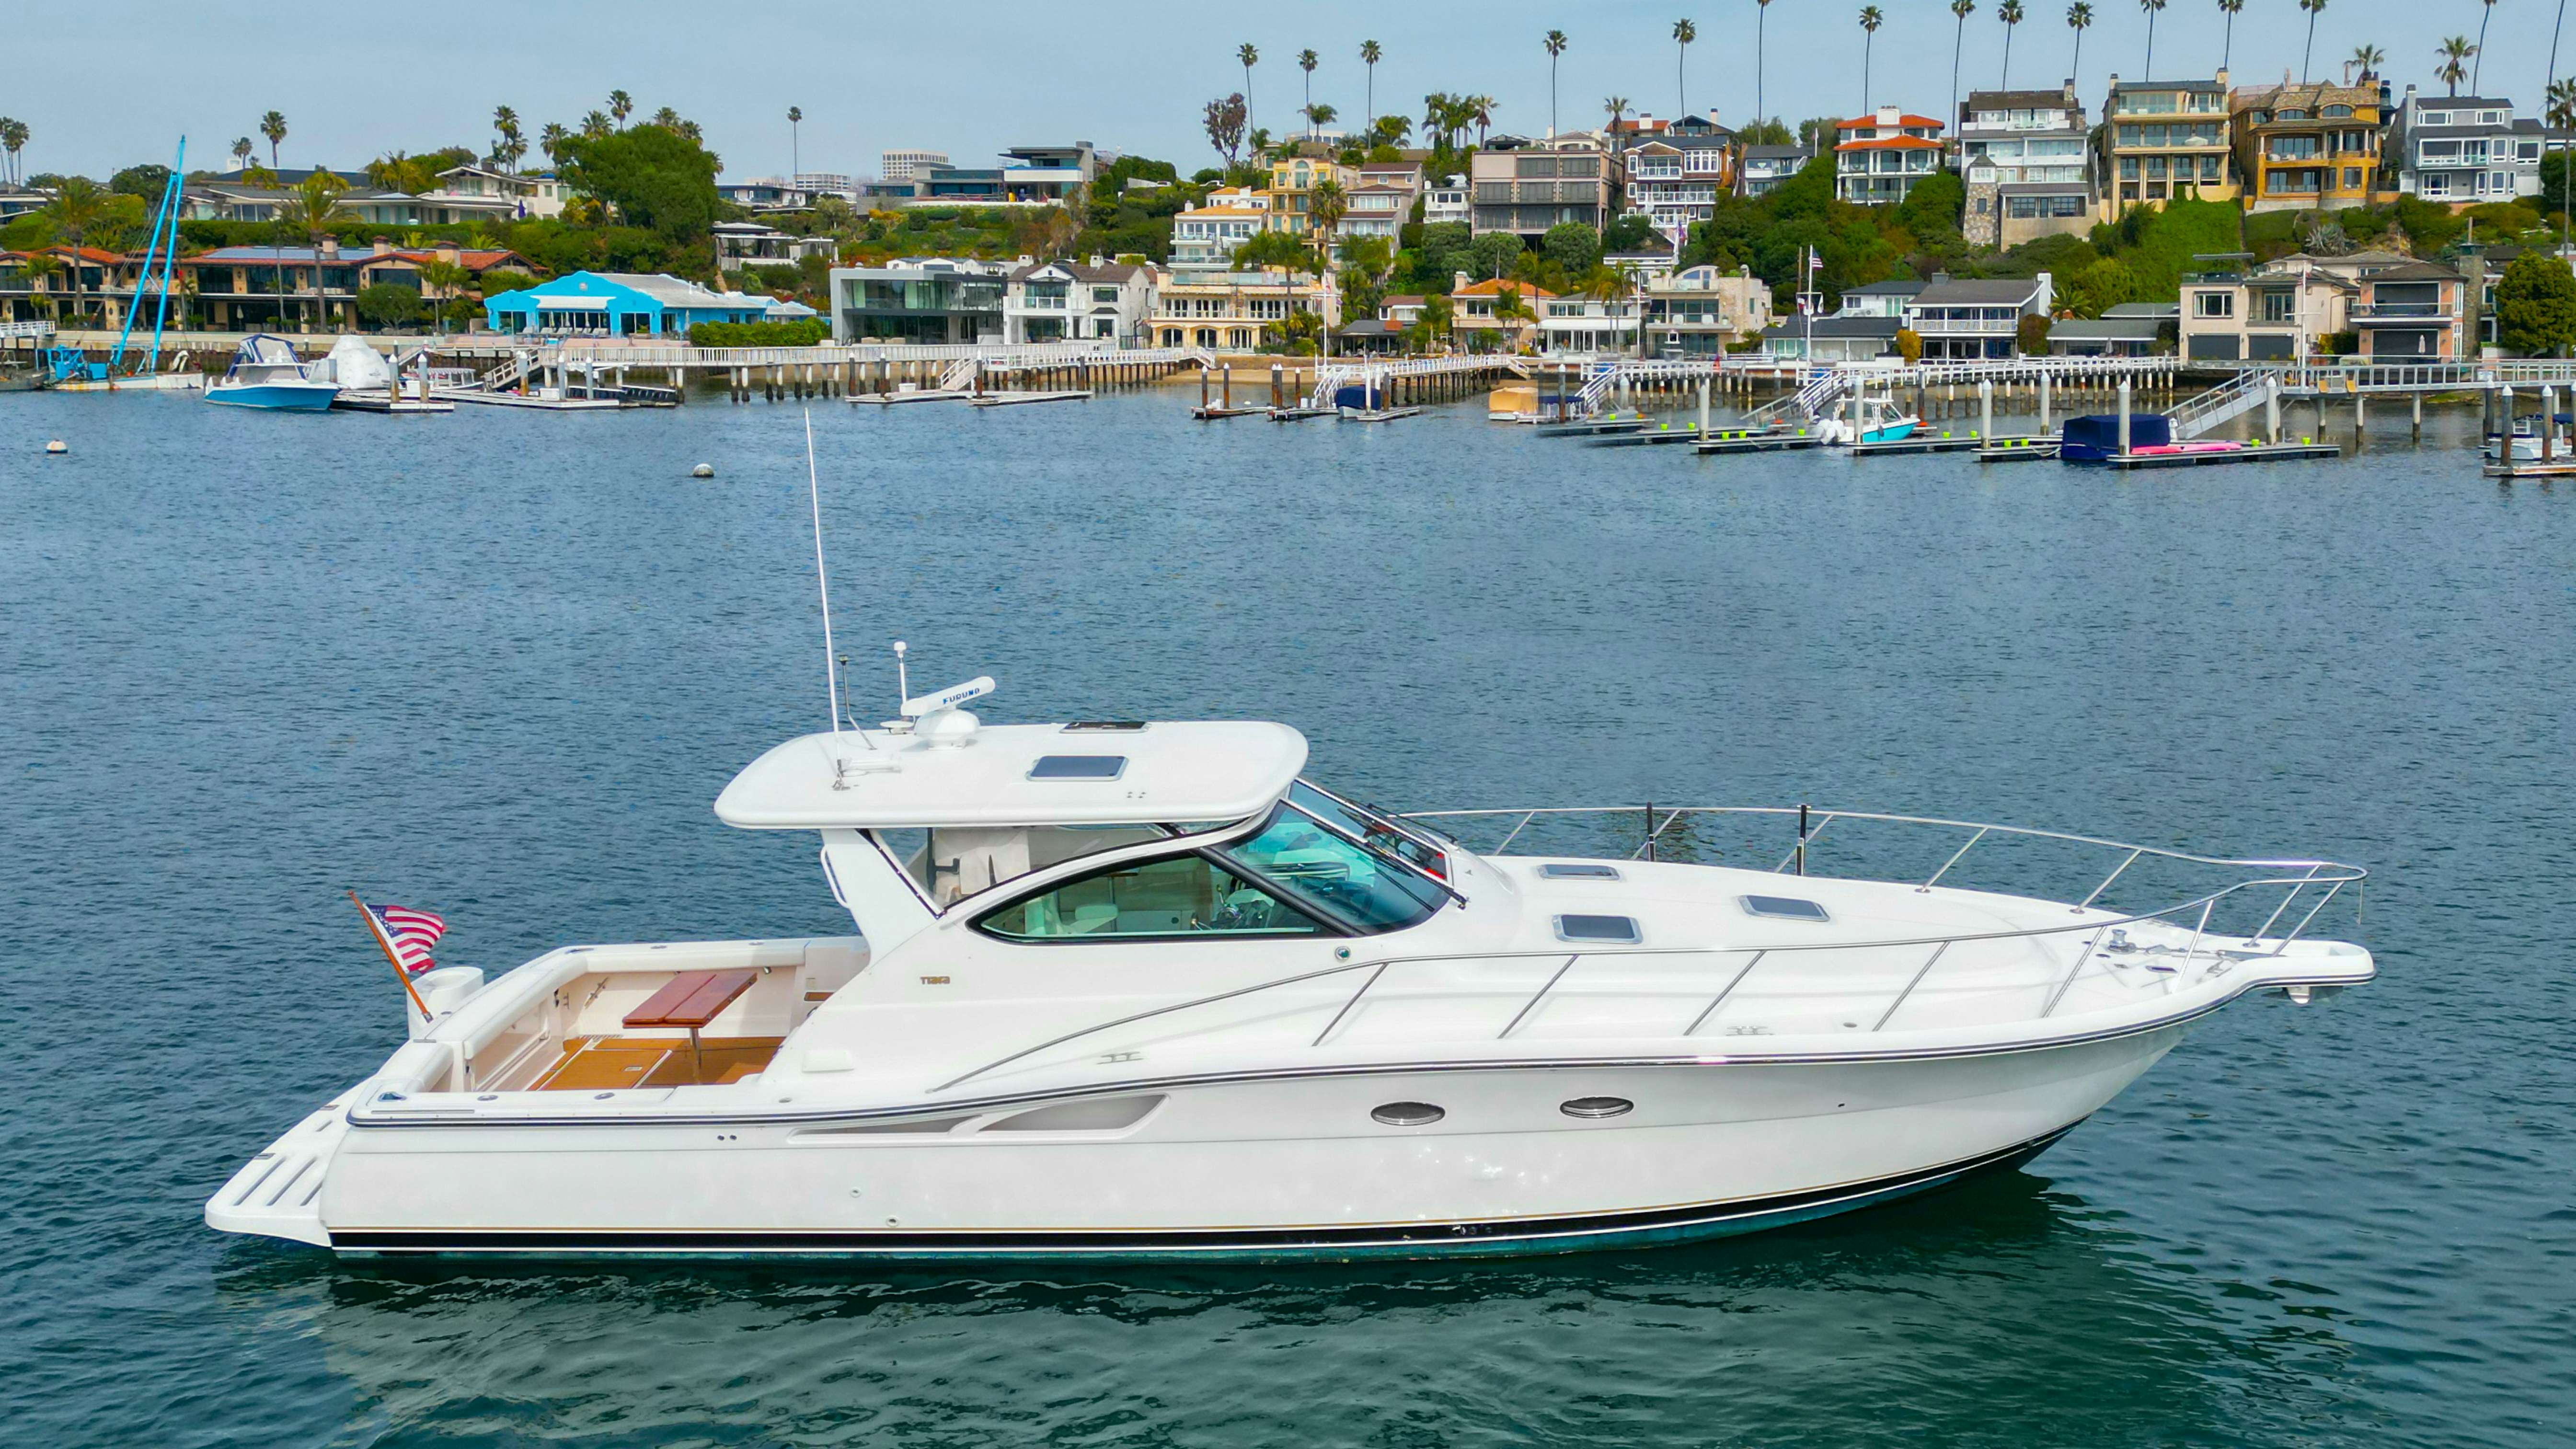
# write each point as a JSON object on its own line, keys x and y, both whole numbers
{"x": 2213, "y": 304}
{"x": 2280, "y": 306}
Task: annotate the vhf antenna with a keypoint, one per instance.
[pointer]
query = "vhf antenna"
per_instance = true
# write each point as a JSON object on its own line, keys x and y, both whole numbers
{"x": 822, "y": 580}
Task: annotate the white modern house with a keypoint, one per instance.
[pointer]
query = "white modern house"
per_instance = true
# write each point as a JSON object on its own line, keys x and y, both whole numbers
{"x": 477, "y": 193}
{"x": 750, "y": 243}
{"x": 1962, "y": 319}
{"x": 1765, "y": 167}
{"x": 920, "y": 299}
{"x": 1078, "y": 301}
{"x": 1702, "y": 311}
{"x": 2463, "y": 149}
{"x": 1445, "y": 199}
{"x": 1205, "y": 237}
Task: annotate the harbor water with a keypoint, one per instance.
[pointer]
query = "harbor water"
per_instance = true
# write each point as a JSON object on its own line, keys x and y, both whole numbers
{"x": 498, "y": 664}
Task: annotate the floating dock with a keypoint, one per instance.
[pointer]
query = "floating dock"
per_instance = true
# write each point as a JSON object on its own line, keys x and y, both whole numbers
{"x": 1760, "y": 440}
{"x": 1376, "y": 415}
{"x": 380, "y": 401}
{"x": 1207, "y": 411}
{"x": 911, "y": 395}
{"x": 528, "y": 400}
{"x": 1301, "y": 414}
{"x": 1661, "y": 433}
{"x": 1591, "y": 427}
{"x": 1014, "y": 399}
{"x": 2559, "y": 467}
{"x": 2210, "y": 458}
{"x": 2018, "y": 450}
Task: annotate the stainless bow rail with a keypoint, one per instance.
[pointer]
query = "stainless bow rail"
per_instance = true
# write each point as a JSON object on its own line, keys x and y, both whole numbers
{"x": 2295, "y": 877}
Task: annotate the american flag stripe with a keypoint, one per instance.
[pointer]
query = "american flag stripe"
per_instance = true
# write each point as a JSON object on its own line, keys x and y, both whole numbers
{"x": 411, "y": 933}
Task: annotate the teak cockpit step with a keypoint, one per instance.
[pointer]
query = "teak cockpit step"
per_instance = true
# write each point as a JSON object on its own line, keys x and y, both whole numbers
{"x": 616, "y": 1063}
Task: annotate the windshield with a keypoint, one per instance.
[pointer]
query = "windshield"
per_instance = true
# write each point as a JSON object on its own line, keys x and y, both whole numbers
{"x": 1404, "y": 841}
{"x": 1339, "y": 879}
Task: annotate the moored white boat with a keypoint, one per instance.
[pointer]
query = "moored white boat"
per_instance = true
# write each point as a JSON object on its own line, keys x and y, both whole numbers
{"x": 266, "y": 374}
{"x": 1137, "y": 990}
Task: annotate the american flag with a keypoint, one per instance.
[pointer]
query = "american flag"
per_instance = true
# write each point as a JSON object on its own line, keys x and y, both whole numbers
{"x": 411, "y": 933}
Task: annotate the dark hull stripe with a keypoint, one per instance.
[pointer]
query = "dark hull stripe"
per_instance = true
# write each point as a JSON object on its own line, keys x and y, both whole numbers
{"x": 1508, "y": 1235}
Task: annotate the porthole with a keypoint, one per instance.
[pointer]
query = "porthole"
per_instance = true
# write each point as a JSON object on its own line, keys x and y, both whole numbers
{"x": 1597, "y": 1107}
{"x": 1408, "y": 1114}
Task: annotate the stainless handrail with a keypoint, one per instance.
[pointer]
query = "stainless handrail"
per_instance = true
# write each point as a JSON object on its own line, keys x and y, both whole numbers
{"x": 1807, "y": 840}
{"x": 1378, "y": 968}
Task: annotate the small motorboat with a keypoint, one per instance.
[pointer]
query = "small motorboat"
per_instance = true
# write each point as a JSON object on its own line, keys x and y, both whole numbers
{"x": 1870, "y": 417}
{"x": 266, "y": 374}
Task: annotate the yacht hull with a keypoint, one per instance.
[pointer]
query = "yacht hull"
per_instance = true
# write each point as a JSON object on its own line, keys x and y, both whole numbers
{"x": 1289, "y": 1166}
{"x": 299, "y": 397}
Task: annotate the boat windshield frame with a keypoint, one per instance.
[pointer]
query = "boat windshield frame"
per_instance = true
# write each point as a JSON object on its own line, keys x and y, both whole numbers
{"x": 1391, "y": 824}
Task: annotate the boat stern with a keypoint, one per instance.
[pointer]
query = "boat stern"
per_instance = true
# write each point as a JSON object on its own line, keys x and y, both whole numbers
{"x": 278, "y": 1193}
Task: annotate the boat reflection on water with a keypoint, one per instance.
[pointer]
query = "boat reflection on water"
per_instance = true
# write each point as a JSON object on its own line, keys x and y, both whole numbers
{"x": 2003, "y": 1307}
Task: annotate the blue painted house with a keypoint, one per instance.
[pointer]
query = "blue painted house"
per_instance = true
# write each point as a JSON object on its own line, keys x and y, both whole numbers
{"x": 617, "y": 304}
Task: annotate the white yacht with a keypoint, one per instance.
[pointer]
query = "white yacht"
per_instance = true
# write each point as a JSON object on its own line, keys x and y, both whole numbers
{"x": 1138, "y": 990}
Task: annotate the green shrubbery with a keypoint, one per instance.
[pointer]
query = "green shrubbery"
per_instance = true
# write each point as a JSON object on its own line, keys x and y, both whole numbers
{"x": 802, "y": 332}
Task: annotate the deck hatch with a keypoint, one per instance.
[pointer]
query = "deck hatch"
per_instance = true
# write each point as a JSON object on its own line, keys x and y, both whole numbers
{"x": 1786, "y": 908}
{"x": 1078, "y": 767}
{"x": 1577, "y": 870}
{"x": 1104, "y": 726}
{"x": 1602, "y": 930}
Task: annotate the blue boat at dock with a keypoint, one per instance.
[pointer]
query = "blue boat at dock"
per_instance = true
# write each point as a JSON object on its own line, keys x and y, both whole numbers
{"x": 266, "y": 374}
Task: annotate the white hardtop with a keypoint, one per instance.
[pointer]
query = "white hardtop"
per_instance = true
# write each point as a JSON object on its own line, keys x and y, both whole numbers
{"x": 1167, "y": 772}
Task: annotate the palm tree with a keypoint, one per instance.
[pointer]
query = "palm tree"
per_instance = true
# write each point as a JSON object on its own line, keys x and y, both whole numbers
{"x": 311, "y": 208}
{"x": 1871, "y": 17}
{"x": 596, "y": 124}
{"x": 1306, "y": 63}
{"x": 447, "y": 280}
{"x": 2455, "y": 53}
{"x": 1960, "y": 10}
{"x": 505, "y": 125}
{"x": 795, "y": 154}
{"x": 1761, "y": 10}
{"x": 38, "y": 267}
{"x": 1248, "y": 57}
{"x": 2562, "y": 114}
{"x": 2151, "y": 7}
{"x": 2227, "y": 47}
{"x": 1617, "y": 106}
{"x": 1480, "y": 109}
{"x": 620, "y": 106}
{"x": 243, "y": 150}
{"x": 667, "y": 118}
{"x": 273, "y": 126}
{"x": 2010, "y": 13}
{"x": 2486, "y": 13}
{"x": 2313, "y": 7}
{"x": 551, "y": 139}
{"x": 1554, "y": 40}
{"x": 1683, "y": 34}
{"x": 78, "y": 205}
{"x": 1318, "y": 117}
{"x": 2079, "y": 18}
{"x": 13, "y": 139}
{"x": 2367, "y": 59}
{"x": 1370, "y": 54}
{"x": 1325, "y": 208}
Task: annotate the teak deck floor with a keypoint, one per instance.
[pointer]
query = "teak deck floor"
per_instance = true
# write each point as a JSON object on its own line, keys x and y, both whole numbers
{"x": 610, "y": 1063}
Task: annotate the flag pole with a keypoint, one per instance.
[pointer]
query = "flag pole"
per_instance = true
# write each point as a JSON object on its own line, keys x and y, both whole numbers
{"x": 376, "y": 929}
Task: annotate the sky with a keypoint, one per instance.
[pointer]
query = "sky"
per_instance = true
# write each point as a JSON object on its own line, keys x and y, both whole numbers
{"x": 357, "y": 81}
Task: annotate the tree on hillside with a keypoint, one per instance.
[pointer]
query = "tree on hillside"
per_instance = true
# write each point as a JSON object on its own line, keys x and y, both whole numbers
{"x": 2366, "y": 61}
{"x": 14, "y": 136}
{"x": 396, "y": 171}
{"x": 145, "y": 181}
{"x": 2454, "y": 55}
{"x": 1370, "y": 54}
{"x": 1266, "y": 250}
{"x": 595, "y": 124}
{"x": 795, "y": 143}
{"x": 77, "y": 209}
{"x": 1761, "y": 12}
{"x": 1493, "y": 254}
{"x": 2227, "y": 45}
{"x": 2536, "y": 306}
{"x": 1684, "y": 32}
{"x": 310, "y": 209}
{"x": 551, "y": 139}
{"x": 654, "y": 177}
{"x": 1247, "y": 56}
{"x": 2152, "y": 7}
{"x": 1574, "y": 247}
{"x": 1306, "y": 62}
{"x": 1960, "y": 10}
{"x": 273, "y": 126}
{"x": 1224, "y": 122}
{"x": 1871, "y": 17}
{"x": 620, "y": 106}
{"x": 2079, "y": 18}
{"x": 1554, "y": 41}
{"x": 2010, "y": 13}
{"x": 2314, "y": 8}
{"x": 2486, "y": 12}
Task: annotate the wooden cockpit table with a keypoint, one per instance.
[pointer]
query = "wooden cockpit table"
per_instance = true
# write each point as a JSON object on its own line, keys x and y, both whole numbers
{"x": 692, "y": 999}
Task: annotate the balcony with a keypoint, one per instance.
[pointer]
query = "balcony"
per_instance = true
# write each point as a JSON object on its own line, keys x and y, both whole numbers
{"x": 1964, "y": 326}
{"x": 2400, "y": 312}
